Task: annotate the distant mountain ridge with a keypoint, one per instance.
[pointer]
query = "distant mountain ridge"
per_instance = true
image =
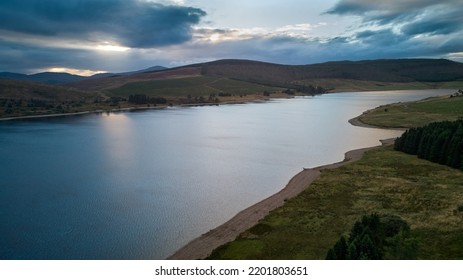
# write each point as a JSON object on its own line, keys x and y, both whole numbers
{"x": 44, "y": 77}
{"x": 147, "y": 70}
{"x": 386, "y": 70}
{"x": 279, "y": 75}
{"x": 55, "y": 78}
{"x": 328, "y": 75}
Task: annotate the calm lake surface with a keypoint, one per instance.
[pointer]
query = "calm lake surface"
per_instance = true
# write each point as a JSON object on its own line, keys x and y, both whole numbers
{"x": 139, "y": 185}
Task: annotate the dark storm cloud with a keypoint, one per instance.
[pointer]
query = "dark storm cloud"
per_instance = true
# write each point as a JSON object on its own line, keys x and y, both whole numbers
{"x": 399, "y": 11}
{"x": 405, "y": 28}
{"x": 138, "y": 24}
{"x": 382, "y": 37}
{"x": 43, "y": 34}
{"x": 438, "y": 23}
{"x": 387, "y": 10}
{"x": 349, "y": 7}
{"x": 21, "y": 58}
{"x": 453, "y": 45}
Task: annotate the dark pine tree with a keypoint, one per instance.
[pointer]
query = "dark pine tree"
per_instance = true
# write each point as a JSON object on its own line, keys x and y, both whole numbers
{"x": 438, "y": 142}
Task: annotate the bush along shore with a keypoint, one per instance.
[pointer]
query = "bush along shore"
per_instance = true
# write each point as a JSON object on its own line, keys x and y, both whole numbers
{"x": 376, "y": 237}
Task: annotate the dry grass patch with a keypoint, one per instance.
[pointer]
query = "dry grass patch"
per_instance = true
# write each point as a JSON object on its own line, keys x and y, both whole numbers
{"x": 427, "y": 196}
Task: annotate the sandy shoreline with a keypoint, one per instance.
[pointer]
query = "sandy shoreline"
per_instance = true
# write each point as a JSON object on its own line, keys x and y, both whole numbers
{"x": 202, "y": 246}
{"x": 357, "y": 122}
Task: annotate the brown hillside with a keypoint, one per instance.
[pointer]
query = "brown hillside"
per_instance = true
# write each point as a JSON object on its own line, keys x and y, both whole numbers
{"x": 104, "y": 83}
{"x": 10, "y": 89}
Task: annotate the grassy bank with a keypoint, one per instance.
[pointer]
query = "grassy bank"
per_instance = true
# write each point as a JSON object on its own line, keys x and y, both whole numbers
{"x": 426, "y": 195}
{"x": 414, "y": 114}
{"x": 348, "y": 85}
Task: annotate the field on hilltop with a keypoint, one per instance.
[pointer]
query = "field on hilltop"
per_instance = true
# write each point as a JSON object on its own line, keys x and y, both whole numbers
{"x": 193, "y": 86}
{"x": 394, "y": 70}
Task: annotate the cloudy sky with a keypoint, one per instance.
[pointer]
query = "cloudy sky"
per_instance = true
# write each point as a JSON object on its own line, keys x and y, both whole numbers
{"x": 90, "y": 36}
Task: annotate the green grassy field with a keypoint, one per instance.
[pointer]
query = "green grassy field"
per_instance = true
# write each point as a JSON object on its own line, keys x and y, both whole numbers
{"x": 348, "y": 85}
{"x": 194, "y": 86}
{"x": 206, "y": 85}
{"x": 414, "y": 114}
{"x": 426, "y": 195}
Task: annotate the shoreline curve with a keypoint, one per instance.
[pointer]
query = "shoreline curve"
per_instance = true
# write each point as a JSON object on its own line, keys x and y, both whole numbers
{"x": 357, "y": 122}
{"x": 202, "y": 246}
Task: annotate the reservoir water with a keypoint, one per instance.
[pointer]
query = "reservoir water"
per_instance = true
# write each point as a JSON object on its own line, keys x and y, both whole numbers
{"x": 139, "y": 185}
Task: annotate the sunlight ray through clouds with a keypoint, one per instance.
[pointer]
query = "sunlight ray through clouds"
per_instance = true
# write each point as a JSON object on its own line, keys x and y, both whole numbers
{"x": 80, "y": 72}
{"x": 113, "y": 48}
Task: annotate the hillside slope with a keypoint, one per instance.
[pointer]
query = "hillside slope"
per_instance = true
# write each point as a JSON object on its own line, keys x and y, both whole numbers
{"x": 118, "y": 80}
{"x": 10, "y": 89}
{"x": 56, "y": 78}
{"x": 51, "y": 78}
{"x": 395, "y": 70}
{"x": 367, "y": 75}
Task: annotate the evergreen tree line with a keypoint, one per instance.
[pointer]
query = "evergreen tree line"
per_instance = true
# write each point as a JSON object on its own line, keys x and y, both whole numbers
{"x": 309, "y": 89}
{"x": 292, "y": 89}
{"x": 376, "y": 238}
{"x": 440, "y": 142}
{"x": 144, "y": 99}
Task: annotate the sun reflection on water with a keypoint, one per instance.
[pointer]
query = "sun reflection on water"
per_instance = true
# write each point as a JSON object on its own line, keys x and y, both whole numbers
{"x": 119, "y": 138}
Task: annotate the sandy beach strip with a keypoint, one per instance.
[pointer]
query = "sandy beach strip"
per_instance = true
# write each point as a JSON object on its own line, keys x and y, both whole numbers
{"x": 203, "y": 246}
{"x": 357, "y": 122}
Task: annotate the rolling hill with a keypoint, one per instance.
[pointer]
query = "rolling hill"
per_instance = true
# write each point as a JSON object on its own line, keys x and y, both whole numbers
{"x": 117, "y": 80}
{"x": 54, "y": 78}
{"x": 26, "y": 98}
{"x": 10, "y": 89}
{"x": 44, "y": 77}
{"x": 335, "y": 76}
{"x": 227, "y": 80}
{"x": 330, "y": 75}
{"x": 393, "y": 70}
